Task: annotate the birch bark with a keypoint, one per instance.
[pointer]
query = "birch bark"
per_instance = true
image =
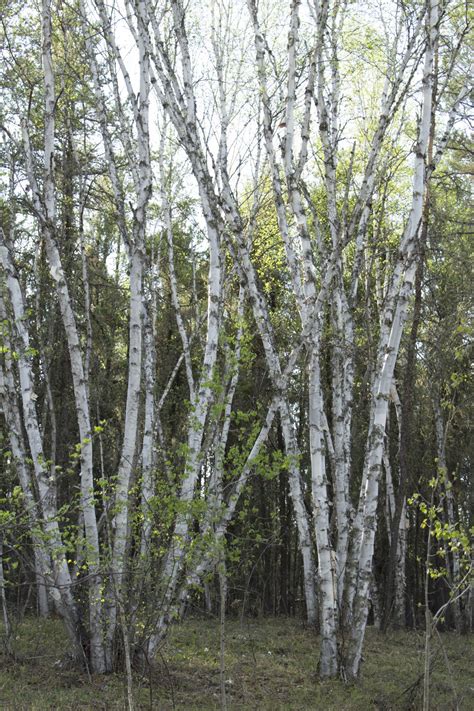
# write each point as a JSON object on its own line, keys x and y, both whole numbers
{"x": 328, "y": 663}
{"x": 62, "y": 590}
{"x": 388, "y": 351}
{"x": 46, "y": 209}
{"x": 174, "y": 559}
{"x": 305, "y": 295}
{"x": 181, "y": 108}
{"x": 149, "y": 426}
{"x": 139, "y": 163}
{"x": 11, "y": 410}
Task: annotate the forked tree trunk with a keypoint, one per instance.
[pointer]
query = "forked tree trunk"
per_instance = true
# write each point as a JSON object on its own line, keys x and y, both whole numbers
{"x": 184, "y": 123}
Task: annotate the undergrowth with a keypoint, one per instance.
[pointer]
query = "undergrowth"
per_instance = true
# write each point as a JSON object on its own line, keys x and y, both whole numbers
{"x": 270, "y": 664}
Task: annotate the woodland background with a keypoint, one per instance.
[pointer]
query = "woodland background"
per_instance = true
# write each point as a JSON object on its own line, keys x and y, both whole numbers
{"x": 236, "y": 323}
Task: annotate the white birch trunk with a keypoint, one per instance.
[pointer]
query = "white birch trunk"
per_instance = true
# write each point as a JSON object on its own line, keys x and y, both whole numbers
{"x": 174, "y": 103}
{"x": 399, "y": 578}
{"x": 62, "y": 590}
{"x": 342, "y": 388}
{"x": 174, "y": 559}
{"x": 388, "y": 349}
{"x": 11, "y": 410}
{"x": 128, "y": 452}
{"x": 47, "y": 216}
{"x": 400, "y": 570}
{"x": 139, "y": 163}
{"x": 328, "y": 664}
{"x": 148, "y": 449}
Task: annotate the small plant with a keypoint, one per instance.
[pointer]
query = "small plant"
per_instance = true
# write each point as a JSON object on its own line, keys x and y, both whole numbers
{"x": 449, "y": 538}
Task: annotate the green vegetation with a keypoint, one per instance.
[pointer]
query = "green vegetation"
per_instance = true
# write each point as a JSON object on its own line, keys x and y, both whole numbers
{"x": 270, "y": 664}
{"x": 236, "y": 347}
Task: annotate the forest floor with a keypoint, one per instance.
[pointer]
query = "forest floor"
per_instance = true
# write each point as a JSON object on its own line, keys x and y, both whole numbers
{"x": 270, "y": 664}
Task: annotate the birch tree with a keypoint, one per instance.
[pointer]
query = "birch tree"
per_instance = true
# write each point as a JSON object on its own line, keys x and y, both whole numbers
{"x": 249, "y": 185}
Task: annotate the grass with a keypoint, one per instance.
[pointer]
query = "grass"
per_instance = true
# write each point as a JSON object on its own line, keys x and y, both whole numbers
{"x": 270, "y": 664}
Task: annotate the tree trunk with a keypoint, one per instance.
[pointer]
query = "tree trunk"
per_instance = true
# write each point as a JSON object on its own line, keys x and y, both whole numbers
{"x": 388, "y": 352}
{"x": 61, "y": 591}
{"x": 328, "y": 662}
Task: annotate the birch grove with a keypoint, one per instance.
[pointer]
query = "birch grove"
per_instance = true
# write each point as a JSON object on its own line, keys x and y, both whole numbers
{"x": 219, "y": 296}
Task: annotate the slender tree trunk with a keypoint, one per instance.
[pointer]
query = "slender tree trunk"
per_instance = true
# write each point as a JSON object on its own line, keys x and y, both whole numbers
{"x": 388, "y": 352}
{"x": 448, "y": 493}
{"x": 223, "y": 601}
{"x": 128, "y": 453}
{"x": 3, "y": 597}
{"x": 174, "y": 559}
{"x": 395, "y": 575}
{"x": 148, "y": 449}
{"x": 328, "y": 662}
{"x": 61, "y": 591}
{"x": 46, "y": 209}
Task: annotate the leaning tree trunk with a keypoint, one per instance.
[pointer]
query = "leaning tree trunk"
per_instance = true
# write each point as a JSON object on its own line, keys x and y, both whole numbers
{"x": 61, "y": 591}
{"x": 11, "y": 411}
{"x": 45, "y": 206}
{"x": 396, "y": 575}
{"x": 366, "y": 521}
